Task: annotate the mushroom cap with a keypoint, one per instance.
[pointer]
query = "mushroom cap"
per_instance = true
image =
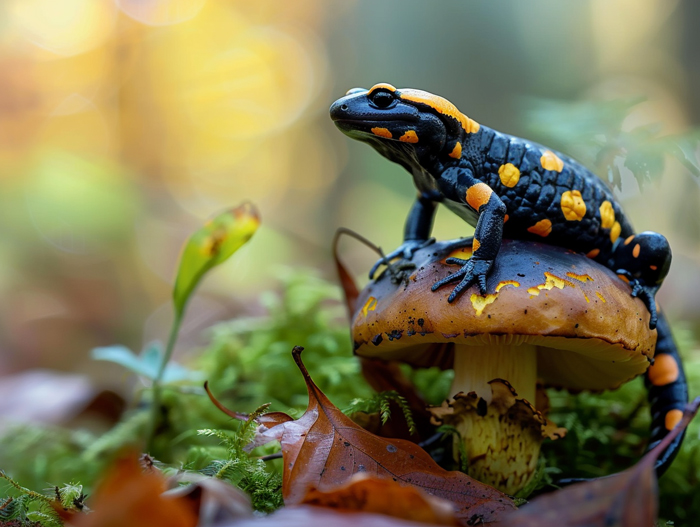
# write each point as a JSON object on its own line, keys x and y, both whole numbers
{"x": 590, "y": 333}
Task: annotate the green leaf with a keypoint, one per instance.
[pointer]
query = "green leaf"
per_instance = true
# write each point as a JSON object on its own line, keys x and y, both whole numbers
{"x": 147, "y": 363}
{"x": 686, "y": 151}
{"x": 210, "y": 246}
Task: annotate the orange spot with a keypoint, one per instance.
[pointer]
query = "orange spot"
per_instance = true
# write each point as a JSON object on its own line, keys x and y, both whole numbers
{"x": 629, "y": 239}
{"x": 550, "y": 161}
{"x": 593, "y": 253}
{"x": 382, "y": 132}
{"x": 475, "y": 245}
{"x": 607, "y": 215}
{"x": 623, "y": 278}
{"x": 381, "y": 86}
{"x": 541, "y": 228}
{"x": 409, "y": 137}
{"x": 664, "y": 370}
{"x": 509, "y": 174}
{"x": 504, "y": 283}
{"x": 580, "y": 277}
{"x": 478, "y": 195}
{"x": 584, "y": 296}
{"x": 636, "y": 250}
{"x": 506, "y": 218}
{"x": 370, "y": 305}
{"x": 653, "y": 267}
{"x": 572, "y": 205}
{"x": 600, "y": 296}
{"x": 672, "y": 418}
{"x": 615, "y": 231}
{"x": 456, "y": 151}
{"x": 440, "y": 105}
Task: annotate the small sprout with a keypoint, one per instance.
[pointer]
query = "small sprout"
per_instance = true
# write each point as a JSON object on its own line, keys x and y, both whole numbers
{"x": 210, "y": 246}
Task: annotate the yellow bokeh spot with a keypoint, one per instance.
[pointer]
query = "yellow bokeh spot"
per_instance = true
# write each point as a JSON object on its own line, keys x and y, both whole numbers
{"x": 161, "y": 12}
{"x": 607, "y": 215}
{"x": 66, "y": 27}
{"x": 550, "y": 161}
{"x": 240, "y": 81}
{"x": 572, "y": 205}
{"x": 509, "y": 174}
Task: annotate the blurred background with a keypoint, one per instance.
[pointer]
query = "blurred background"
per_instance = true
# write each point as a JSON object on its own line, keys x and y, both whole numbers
{"x": 124, "y": 124}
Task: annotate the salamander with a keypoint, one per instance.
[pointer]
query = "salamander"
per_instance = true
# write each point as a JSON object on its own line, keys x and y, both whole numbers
{"x": 510, "y": 187}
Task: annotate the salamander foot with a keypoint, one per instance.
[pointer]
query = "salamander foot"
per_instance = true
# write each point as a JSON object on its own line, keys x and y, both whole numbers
{"x": 472, "y": 270}
{"x": 646, "y": 293}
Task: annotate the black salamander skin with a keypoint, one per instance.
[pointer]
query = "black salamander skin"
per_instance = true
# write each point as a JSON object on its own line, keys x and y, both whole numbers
{"x": 509, "y": 187}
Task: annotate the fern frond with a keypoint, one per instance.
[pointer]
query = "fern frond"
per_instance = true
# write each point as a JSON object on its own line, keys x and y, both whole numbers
{"x": 246, "y": 432}
{"x": 14, "y": 508}
{"x": 27, "y": 492}
{"x": 230, "y": 443}
{"x": 381, "y": 403}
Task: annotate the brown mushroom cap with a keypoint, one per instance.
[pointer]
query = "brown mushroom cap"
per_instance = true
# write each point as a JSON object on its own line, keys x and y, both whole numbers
{"x": 590, "y": 333}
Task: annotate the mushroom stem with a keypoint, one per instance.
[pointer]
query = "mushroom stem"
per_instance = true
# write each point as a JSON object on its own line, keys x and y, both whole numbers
{"x": 502, "y": 437}
{"x": 475, "y": 366}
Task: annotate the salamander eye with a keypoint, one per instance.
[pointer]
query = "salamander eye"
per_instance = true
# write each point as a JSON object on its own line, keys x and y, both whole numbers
{"x": 382, "y": 99}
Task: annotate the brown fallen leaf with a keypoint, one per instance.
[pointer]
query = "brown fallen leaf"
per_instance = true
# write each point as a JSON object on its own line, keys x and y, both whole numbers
{"x": 129, "y": 496}
{"x": 310, "y": 516}
{"x": 628, "y": 499}
{"x": 365, "y": 493}
{"x": 324, "y": 448}
{"x": 215, "y": 500}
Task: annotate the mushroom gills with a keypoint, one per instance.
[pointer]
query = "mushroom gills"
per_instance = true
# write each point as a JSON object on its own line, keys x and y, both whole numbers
{"x": 476, "y": 365}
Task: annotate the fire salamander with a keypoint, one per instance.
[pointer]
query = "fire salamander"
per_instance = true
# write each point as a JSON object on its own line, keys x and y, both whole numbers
{"x": 509, "y": 187}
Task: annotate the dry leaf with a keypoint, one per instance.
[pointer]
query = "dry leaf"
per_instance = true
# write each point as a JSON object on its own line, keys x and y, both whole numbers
{"x": 628, "y": 499}
{"x": 215, "y": 500}
{"x": 309, "y": 516}
{"x": 364, "y": 493}
{"x": 128, "y": 496}
{"x": 324, "y": 448}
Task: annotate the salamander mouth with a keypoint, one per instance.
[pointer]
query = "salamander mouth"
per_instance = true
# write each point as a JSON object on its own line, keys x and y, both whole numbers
{"x": 364, "y": 126}
{"x": 403, "y": 119}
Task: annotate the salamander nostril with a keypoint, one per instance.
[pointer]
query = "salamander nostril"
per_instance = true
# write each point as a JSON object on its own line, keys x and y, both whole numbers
{"x": 344, "y": 107}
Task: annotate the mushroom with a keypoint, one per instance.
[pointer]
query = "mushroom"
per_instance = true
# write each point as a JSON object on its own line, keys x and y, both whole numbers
{"x": 551, "y": 314}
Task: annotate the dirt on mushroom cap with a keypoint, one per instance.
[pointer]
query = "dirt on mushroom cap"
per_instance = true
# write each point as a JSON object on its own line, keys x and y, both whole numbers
{"x": 590, "y": 332}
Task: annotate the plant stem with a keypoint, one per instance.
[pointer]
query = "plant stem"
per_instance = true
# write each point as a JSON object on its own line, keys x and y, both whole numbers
{"x": 155, "y": 404}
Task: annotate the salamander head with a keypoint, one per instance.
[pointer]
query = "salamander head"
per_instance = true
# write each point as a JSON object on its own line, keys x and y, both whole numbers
{"x": 403, "y": 124}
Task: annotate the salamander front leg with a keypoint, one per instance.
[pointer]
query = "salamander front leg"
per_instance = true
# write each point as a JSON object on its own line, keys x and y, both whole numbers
{"x": 485, "y": 245}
